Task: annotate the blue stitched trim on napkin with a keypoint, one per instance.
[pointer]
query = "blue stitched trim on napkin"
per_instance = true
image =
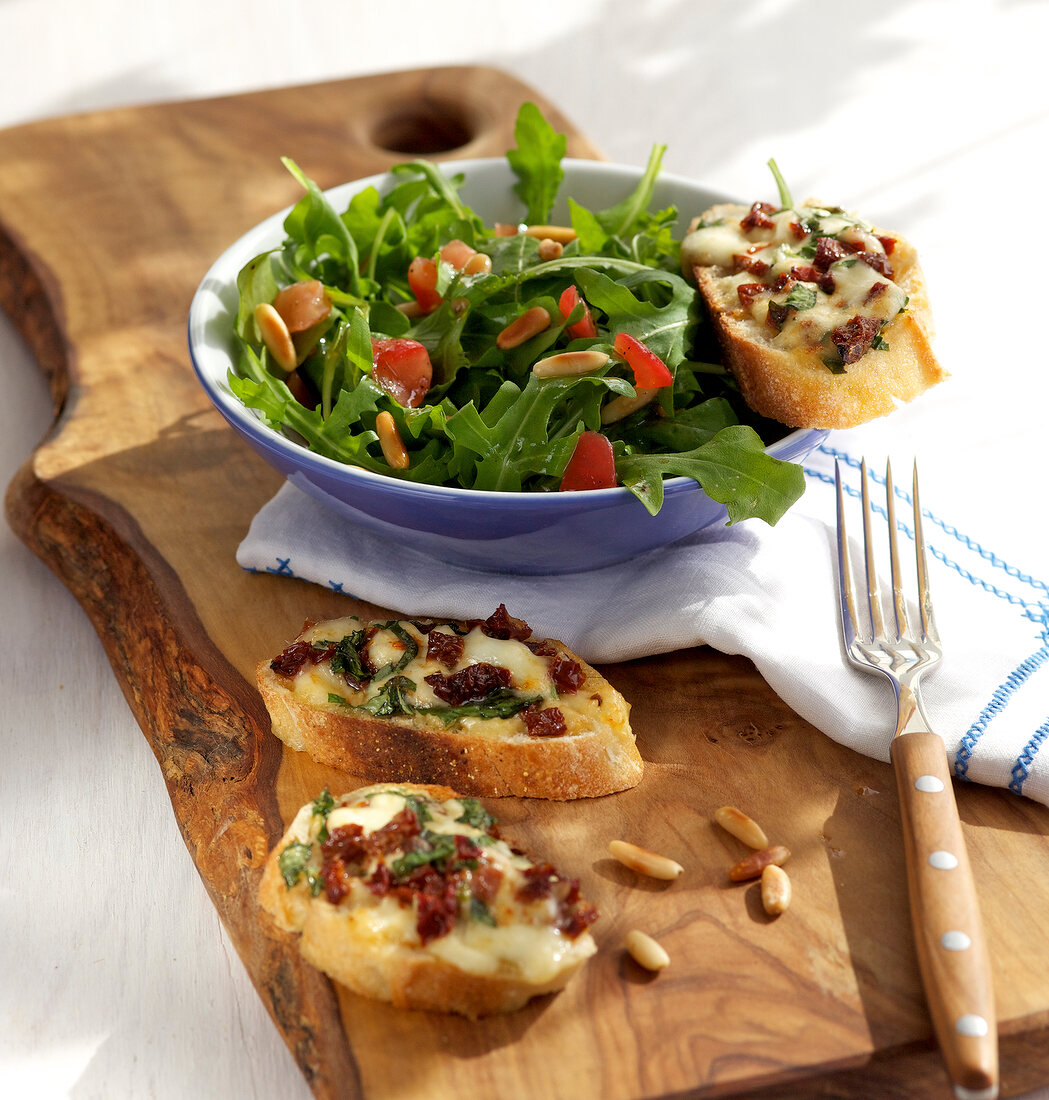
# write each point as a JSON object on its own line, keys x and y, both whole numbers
{"x": 1036, "y": 611}
{"x": 283, "y": 569}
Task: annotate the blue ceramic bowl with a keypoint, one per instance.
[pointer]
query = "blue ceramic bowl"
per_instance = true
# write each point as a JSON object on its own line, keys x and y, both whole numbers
{"x": 523, "y": 533}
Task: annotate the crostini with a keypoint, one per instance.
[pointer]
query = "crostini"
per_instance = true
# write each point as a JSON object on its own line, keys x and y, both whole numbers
{"x": 407, "y": 893}
{"x": 823, "y": 318}
{"x": 482, "y": 706}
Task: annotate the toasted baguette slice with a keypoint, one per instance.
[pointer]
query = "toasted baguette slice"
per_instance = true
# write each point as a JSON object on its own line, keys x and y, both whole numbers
{"x": 848, "y": 332}
{"x": 412, "y": 719}
{"x": 407, "y": 893}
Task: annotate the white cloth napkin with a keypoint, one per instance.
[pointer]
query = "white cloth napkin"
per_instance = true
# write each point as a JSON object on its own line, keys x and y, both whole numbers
{"x": 769, "y": 594}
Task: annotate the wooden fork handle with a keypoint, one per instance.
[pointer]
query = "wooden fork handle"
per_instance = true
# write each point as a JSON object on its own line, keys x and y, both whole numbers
{"x": 945, "y": 915}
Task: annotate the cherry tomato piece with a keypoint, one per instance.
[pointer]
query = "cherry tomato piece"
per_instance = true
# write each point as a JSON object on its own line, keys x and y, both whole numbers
{"x": 584, "y": 328}
{"x": 302, "y": 305}
{"x": 422, "y": 278}
{"x": 650, "y": 372}
{"x": 592, "y": 465}
{"x": 402, "y": 368}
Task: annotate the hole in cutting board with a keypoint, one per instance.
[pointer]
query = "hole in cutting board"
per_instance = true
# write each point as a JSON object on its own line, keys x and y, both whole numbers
{"x": 423, "y": 129}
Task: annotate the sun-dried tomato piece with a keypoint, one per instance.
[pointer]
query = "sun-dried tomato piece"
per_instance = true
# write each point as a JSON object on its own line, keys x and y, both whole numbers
{"x": 878, "y": 260}
{"x": 538, "y": 882}
{"x": 876, "y": 291}
{"x": 500, "y": 624}
{"x": 574, "y": 921}
{"x": 336, "y": 880}
{"x": 758, "y": 217}
{"x": 828, "y": 251}
{"x": 446, "y": 649}
{"x": 469, "y": 685}
{"x": 485, "y": 882}
{"x": 749, "y": 291}
{"x": 436, "y": 911}
{"x": 396, "y": 833}
{"x": 291, "y": 660}
{"x": 854, "y": 338}
{"x": 743, "y": 262}
{"x": 566, "y": 674}
{"x": 548, "y": 722}
{"x": 346, "y": 842}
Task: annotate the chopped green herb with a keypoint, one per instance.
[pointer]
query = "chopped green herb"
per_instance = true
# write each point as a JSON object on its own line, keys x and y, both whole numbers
{"x": 475, "y": 814}
{"x": 439, "y": 847}
{"x": 480, "y": 912}
{"x": 391, "y": 699}
{"x": 292, "y": 861}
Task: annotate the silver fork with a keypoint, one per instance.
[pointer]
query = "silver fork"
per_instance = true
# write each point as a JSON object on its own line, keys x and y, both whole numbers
{"x": 945, "y": 916}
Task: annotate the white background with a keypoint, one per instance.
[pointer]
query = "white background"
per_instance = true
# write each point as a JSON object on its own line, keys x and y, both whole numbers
{"x": 930, "y": 117}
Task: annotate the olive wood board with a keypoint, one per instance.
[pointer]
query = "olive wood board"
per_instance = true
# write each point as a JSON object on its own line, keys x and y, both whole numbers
{"x": 138, "y": 498}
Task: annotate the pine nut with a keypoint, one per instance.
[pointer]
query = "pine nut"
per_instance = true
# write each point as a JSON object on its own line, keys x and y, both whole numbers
{"x": 751, "y": 866}
{"x": 275, "y": 336}
{"x": 478, "y": 264}
{"x": 645, "y": 862}
{"x": 740, "y": 826}
{"x": 563, "y": 234}
{"x": 622, "y": 406}
{"x": 645, "y": 951}
{"x": 567, "y": 363}
{"x": 775, "y": 890}
{"x": 550, "y": 250}
{"x": 390, "y": 441}
{"x": 504, "y": 229}
{"x": 532, "y": 322}
{"x": 411, "y": 309}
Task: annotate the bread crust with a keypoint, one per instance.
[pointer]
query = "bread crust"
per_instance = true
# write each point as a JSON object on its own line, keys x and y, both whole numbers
{"x": 795, "y": 386}
{"x": 582, "y": 763}
{"x": 382, "y": 969}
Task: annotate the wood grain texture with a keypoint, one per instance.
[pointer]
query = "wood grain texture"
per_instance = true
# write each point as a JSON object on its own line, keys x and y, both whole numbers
{"x": 137, "y": 500}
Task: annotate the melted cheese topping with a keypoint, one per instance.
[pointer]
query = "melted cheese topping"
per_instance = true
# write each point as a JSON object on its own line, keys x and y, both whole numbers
{"x": 530, "y": 677}
{"x": 524, "y": 942}
{"x": 855, "y": 294}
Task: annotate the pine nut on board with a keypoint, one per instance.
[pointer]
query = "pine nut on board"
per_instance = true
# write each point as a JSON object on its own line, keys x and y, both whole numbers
{"x": 751, "y": 866}
{"x": 744, "y": 828}
{"x": 645, "y": 862}
{"x": 645, "y": 951}
{"x": 775, "y": 890}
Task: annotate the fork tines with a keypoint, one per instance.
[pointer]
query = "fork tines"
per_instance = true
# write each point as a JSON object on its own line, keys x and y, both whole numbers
{"x": 927, "y": 632}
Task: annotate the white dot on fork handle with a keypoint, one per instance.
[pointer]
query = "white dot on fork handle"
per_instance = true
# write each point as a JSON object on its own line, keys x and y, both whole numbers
{"x": 943, "y": 861}
{"x": 971, "y": 1024}
{"x": 929, "y": 784}
{"x": 956, "y": 941}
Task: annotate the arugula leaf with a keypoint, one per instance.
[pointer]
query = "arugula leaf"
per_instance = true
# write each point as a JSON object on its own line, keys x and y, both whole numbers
{"x": 786, "y": 201}
{"x": 732, "y": 468}
{"x": 318, "y": 230}
{"x": 626, "y": 216}
{"x": 537, "y": 163}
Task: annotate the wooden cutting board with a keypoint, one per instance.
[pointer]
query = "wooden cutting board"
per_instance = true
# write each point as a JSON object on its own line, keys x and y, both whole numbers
{"x": 138, "y": 499}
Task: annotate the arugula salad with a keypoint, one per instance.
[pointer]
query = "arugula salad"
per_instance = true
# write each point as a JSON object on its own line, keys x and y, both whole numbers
{"x": 406, "y": 336}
